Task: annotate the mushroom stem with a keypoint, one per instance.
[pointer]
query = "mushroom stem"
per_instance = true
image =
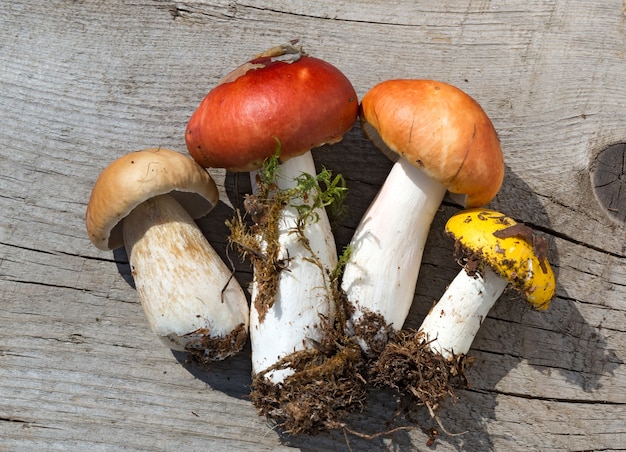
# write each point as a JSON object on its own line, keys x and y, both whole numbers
{"x": 303, "y": 306}
{"x": 187, "y": 292}
{"x": 452, "y": 324}
{"x": 387, "y": 248}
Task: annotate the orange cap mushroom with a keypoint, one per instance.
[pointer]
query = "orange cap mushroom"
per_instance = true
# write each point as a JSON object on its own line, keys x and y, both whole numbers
{"x": 442, "y": 131}
{"x": 446, "y": 142}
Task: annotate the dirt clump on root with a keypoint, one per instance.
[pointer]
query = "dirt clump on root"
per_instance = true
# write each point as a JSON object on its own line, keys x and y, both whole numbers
{"x": 326, "y": 386}
{"x": 206, "y": 349}
{"x": 408, "y": 366}
{"x": 372, "y": 329}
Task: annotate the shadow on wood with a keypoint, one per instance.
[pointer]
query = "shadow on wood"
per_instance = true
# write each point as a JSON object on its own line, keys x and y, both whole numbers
{"x": 559, "y": 340}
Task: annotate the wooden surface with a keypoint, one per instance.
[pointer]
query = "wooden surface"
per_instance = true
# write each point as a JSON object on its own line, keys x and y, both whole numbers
{"x": 84, "y": 82}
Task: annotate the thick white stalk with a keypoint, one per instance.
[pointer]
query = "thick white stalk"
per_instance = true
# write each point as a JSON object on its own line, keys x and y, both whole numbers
{"x": 303, "y": 299}
{"x": 388, "y": 244}
{"x": 186, "y": 290}
{"x": 453, "y": 322}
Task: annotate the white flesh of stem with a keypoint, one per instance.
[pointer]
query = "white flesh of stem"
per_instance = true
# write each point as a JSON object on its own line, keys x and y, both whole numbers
{"x": 387, "y": 245}
{"x": 453, "y": 322}
{"x": 183, "y": 284}
{"x": 303, "y": 299}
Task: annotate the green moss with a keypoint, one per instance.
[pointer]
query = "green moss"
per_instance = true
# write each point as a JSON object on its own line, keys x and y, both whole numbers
{"x": 259, "y": 241}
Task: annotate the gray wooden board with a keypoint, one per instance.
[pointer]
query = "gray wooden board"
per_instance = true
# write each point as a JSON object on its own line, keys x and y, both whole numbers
{"x": 84, "y": 82}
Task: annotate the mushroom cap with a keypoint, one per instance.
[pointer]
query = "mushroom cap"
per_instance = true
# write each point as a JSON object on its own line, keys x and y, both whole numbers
{"x": 302, "y": 101}
{"x": 137, "y": 177}
{"x": 482, "y": 236}
{"x": 439, "y": 129}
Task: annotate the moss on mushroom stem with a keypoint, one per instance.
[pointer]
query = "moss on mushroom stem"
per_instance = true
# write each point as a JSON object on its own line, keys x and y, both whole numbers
{"x": 307, "y": 375}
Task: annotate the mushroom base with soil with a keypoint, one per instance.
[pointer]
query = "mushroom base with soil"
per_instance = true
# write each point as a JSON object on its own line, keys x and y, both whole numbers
{"x": 326, "y": 384}
{"x": 303, "y": 381}
{"x": 495, "y": 251}
{"x": 422, "y": 376}
{"x": 386, "y": 252}
{"x": 428, "y": 364}
{"x": 187, "y": 293}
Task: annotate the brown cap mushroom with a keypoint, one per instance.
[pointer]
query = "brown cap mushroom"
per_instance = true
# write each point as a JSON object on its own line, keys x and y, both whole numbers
{"x": 137, "y": 177}
{"x": 147, "y": 200}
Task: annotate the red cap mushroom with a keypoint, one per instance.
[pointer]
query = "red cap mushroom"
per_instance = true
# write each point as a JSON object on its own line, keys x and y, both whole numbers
{"x": 283, "y": 94}
{"x": 445, "y": 141}
{"x": 302, "y": 102}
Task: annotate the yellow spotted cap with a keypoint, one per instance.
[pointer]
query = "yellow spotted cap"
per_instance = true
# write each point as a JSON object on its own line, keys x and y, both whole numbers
{"x": 511, "y": 249}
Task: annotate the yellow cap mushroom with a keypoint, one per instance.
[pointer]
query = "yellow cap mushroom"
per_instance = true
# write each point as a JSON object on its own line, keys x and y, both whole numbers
{"x": 497, "y": 251}
{"x": 511, "y": 249}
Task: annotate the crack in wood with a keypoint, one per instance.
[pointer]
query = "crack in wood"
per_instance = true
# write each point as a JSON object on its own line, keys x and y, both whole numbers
{"x": 558, "y": 400}
{"x": 323, "y": 17}
{"x": 8, "y": 419}
{"x": 43, "y": 284}
{"x": 26, "y": 424}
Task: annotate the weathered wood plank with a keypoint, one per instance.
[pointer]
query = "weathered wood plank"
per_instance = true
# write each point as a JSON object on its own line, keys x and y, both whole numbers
{"x": 84, "y": 82}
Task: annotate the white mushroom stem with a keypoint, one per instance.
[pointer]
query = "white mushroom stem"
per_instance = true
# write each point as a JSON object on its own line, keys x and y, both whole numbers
{"x": 186, "y": 290}
{"x": 453, "y": 322}
{"x": 388, "y": 244}
{"x": 303, "y": 299}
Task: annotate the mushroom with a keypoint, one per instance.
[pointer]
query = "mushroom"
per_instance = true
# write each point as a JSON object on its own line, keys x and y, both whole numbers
{"x": 429, "y": 363}
{"x": 498, "y": 252}
{"x": 445, "y": 141}
{"x": 146, "y": 201}
{"x": 302, "y": 102}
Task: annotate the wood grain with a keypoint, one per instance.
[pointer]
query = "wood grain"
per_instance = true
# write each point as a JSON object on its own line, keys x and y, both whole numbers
{"x": 84, "y": 82}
